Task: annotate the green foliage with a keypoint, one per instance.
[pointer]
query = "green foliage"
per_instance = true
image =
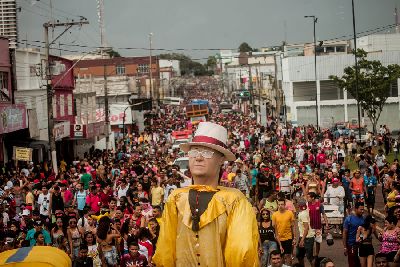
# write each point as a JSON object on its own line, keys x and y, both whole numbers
{"x": 187, "y": 65}
{"x": 112, "y": 53}
{"x": 374, "y": 81}
{"x": 211, "y": 61}
{"x": 245, "y": 47}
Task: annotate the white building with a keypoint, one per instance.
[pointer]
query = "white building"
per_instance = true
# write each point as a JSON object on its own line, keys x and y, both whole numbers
{"x": 31, "y": 90}
{"x": 8, "y": 21}
{"x": 334, "y": 104}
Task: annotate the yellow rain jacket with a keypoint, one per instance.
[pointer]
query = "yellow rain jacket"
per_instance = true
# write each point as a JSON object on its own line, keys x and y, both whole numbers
{"x": 228, "y": 234}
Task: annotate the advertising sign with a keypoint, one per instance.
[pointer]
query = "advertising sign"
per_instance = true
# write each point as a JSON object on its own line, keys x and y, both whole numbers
{"x": 61, "y": 130}
{"x": 22, "y": 153}
{"x": 12, "y": 118}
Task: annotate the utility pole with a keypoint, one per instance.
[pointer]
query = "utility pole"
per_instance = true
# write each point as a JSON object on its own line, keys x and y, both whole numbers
{"x": 315, "y": 19}
{"x": 356, "y": 66}
{"x": 251, "y": 91}
{"x": 106, "y": 109}
{"x": 49, "y": 87}
{"x": 259, "y": 94}
{"x": 150, "y": 67}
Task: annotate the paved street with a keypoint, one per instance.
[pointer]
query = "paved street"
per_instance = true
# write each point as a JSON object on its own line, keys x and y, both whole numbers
{"x": 335, "y": 252}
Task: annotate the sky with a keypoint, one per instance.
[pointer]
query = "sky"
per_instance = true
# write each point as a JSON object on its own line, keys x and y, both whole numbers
{"x": 201, "y": 24}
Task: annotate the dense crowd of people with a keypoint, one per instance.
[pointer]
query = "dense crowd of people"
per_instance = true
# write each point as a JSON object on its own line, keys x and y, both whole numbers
{"x": 106, "y": 208}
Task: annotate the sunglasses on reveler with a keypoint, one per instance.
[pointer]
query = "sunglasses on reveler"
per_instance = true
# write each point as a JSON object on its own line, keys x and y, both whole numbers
{"x": 207, "y": 154}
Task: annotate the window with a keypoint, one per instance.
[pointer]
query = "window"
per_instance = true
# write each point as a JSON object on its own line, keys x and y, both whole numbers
{"x": 330, "y": 49}
{"x": 69, "y": 104}
{"x": 3, "y": 80}
{"x": 341, "y": 48}
{"x": 62, "y": 106}
{"x": 143, "y": 68}
{"x": 120, "y": 70}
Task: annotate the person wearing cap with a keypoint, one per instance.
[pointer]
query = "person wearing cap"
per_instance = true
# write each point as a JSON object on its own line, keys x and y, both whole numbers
{"x": 305, "y": 247}
{"x": 205, "y": 224}
{"x": 38, "y": 227}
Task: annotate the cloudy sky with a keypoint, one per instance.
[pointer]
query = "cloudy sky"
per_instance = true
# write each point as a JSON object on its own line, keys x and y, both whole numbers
{"x": 204, "y": 24}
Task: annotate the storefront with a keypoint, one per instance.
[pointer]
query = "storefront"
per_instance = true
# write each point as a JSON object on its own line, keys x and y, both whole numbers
{"x": 12, "y": 119}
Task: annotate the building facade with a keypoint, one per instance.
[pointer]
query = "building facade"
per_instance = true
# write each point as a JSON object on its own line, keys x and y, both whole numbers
{"x": 334, "y": 104}
{"x": 9, "y": 22}
{"x": 13, "y": 119}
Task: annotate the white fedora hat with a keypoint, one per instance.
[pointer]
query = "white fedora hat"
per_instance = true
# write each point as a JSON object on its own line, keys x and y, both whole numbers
{"x": 211, "y": 135}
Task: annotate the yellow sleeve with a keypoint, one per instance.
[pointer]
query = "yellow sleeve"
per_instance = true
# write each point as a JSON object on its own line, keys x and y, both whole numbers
{"x": 165, "y": 255}
{"x": 241, "y": 248}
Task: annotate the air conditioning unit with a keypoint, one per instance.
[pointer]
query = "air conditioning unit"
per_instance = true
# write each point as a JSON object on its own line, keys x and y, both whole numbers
{"x": 56, "y": 68}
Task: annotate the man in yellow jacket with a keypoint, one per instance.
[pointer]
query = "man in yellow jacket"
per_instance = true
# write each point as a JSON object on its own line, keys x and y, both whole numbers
{"x": 206, "y": 224}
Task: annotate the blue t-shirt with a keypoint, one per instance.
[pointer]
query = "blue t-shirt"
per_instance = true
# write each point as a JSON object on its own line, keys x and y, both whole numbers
{"x": 31, "y": 237}
{"x": 81, "y": 199}
{"x": 253, "y": 174}
{"x": 370, "y": 182}
{"x": 351, "y": 224}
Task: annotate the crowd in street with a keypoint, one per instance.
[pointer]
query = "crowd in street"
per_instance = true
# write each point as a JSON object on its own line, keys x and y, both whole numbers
{"x": 307, "y": 186}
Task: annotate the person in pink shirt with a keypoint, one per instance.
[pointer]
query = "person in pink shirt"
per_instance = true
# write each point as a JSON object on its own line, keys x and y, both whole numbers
{"x": 66, "y": 193}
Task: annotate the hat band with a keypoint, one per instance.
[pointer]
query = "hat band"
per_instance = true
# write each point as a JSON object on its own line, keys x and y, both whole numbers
{"x": 207, "y": 139}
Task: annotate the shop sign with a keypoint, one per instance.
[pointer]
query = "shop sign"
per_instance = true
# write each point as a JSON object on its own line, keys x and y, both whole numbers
{"x": 22, "y": 153}
{"x": 12, "y": 118}
{"x": 61, "y": 130}
{"x": 78, "y": 130}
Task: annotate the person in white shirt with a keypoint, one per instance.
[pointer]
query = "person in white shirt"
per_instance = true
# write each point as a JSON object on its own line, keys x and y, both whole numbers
{"x": 380, "y": 159}
{"x": 285, "y": 181}
{"x": 44, "y": 201}
{"x": 334, "y": 194}
{"x": 168, "y": 189}
{"x": 299, "y": 154}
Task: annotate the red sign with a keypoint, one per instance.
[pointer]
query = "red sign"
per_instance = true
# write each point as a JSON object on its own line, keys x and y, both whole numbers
{"x": 12, "y": 118}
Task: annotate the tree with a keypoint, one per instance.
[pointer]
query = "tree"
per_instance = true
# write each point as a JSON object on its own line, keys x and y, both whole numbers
{"x": 374, "y": 82}
{"x": 245, "y": 47}
{"x": 187, "y": 65}
{"x": 112, "y": 53}
{"x": 211, "y": 62}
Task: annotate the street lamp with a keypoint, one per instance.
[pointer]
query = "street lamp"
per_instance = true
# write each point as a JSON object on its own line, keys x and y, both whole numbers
{"x": 315, "y": 19}
{"x": 356, "y": 66}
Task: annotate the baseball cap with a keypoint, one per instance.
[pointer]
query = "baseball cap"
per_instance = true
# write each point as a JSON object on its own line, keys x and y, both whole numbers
{"x": 38, "y": 223}
{"x": 25, "y": 213}
{"x": 335, "y": 180}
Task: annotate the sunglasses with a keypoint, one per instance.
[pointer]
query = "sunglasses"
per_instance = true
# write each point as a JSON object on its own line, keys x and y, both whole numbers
{"x": 265, "y": 214}
{"x": 207, "y": 154}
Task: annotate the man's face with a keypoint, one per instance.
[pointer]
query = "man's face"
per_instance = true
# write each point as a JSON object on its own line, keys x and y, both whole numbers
{"x": 381, "y": 262}
{"x": 276, "y": 260}
{"x": 281, "y": 205}
{"x": 44, "y": 190}
{"x": 359, "y": 211}
{"x": 83, "y": 253}
{"x": 202, "y": 167}
{"x": 133, "y": 250}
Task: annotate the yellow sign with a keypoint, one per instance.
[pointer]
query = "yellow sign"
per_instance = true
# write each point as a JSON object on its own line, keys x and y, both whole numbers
{"x": 22, "y": 153}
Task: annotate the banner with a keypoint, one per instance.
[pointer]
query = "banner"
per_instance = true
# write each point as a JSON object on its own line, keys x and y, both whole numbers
{"x": 22, "y": 153}
{"x": 117, "y": 114}
{"x": 12, "y": 118}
